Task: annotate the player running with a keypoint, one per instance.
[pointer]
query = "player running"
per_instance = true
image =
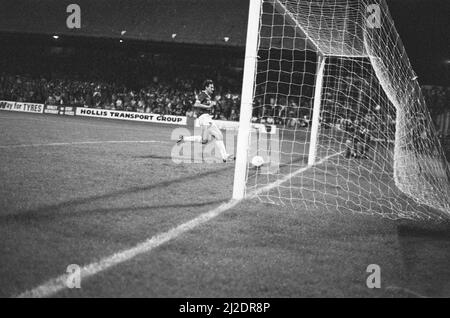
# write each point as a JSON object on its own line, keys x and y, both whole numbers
{"x": 204, "y": 105}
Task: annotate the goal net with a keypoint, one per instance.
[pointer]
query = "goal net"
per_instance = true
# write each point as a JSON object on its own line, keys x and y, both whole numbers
{"x": 354, "y": 133}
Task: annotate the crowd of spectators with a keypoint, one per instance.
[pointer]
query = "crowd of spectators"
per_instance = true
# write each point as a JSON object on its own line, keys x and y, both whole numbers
{"x": 174, "y": 97}
{"x": 128, "y": 79}
{"x": 437, "y": 99}
{"x": 285, "y": 110}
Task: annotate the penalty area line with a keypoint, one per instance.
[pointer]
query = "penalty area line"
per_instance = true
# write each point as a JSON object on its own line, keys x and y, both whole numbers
{"x": 405, "y": 291}
{"x": 55, "y": 285}
{"x": 68, "y": 121}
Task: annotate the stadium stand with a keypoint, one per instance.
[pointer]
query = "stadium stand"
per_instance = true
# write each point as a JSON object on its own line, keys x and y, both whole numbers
{"x": 170, "y": 82}
{"x": 154, "y": 20}
{"x": 174, "y": 98}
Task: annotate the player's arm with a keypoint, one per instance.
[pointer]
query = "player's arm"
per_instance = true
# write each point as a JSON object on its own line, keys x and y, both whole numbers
{"x": 204, "y": 106}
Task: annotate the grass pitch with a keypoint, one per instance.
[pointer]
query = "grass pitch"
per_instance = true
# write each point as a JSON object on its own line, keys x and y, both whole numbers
{"x": 77, "y": 190}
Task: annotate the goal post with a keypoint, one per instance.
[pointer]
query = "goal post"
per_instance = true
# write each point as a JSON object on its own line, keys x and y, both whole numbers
{"x": 315, "y": 121}
{"x": 355, "y": 134}
{"x": 248, "y": 84}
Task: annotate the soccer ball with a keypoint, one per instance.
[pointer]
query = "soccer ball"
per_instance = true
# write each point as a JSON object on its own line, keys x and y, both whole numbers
{"x": 257, "y": 161}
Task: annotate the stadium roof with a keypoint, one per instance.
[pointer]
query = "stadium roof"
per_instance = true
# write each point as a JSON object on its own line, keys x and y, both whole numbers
{"x": 193, "y": 21}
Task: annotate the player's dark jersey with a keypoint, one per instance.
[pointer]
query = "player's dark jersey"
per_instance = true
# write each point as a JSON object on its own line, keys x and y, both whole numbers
{"x": 205, "y": 99}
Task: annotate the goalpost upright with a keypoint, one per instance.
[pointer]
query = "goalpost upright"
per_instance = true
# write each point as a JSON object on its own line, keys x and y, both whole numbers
{"x": 251, "y": 58}
{"x": 311, "y": 49}
{"x": 315, "y": 121}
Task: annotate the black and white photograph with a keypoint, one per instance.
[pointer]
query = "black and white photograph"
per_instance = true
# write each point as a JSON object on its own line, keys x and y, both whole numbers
{"x": 224, "y": 153}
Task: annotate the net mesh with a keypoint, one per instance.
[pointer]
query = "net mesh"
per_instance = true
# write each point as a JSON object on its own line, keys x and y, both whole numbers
{"x": 376, "y": 150}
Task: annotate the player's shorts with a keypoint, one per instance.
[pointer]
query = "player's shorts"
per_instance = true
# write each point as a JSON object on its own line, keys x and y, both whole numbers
{"x": 214, "y": 131}
{"x": 205, "y": 120}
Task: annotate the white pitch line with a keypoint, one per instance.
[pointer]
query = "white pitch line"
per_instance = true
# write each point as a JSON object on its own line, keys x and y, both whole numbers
{"x": 290, "y": 176}
{"x": 59, "y": 283}
{"x": 78, "y": 123}
{"x": 406, "y": 291}
{"x": 81, "y": 143}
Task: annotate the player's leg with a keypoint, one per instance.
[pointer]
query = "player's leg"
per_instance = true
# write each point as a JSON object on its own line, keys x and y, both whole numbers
{"x": 218, "y": 137}
{"x": 348, "y": 151}
{"x": 190, "y": 139}
{"x": 197, "y": 138}
{"x": 360, "y": 149}
{"x": 356, "y": 148}
{"x": 205, "y": 135}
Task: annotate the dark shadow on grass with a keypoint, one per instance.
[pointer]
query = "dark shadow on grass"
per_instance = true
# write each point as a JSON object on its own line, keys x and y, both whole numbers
{"x": 53, "y": 209}
{"x": 155, "y": 157}
{"x": 187, "y": 159}
{"x": 36, "y": 215}
{"x": 425, "y": 251}
{"x": 436, "y": 232}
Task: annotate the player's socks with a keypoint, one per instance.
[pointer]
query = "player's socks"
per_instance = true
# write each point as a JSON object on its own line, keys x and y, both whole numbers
{"x": 193, "y": 138}
{"x": 223, "y": 151}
